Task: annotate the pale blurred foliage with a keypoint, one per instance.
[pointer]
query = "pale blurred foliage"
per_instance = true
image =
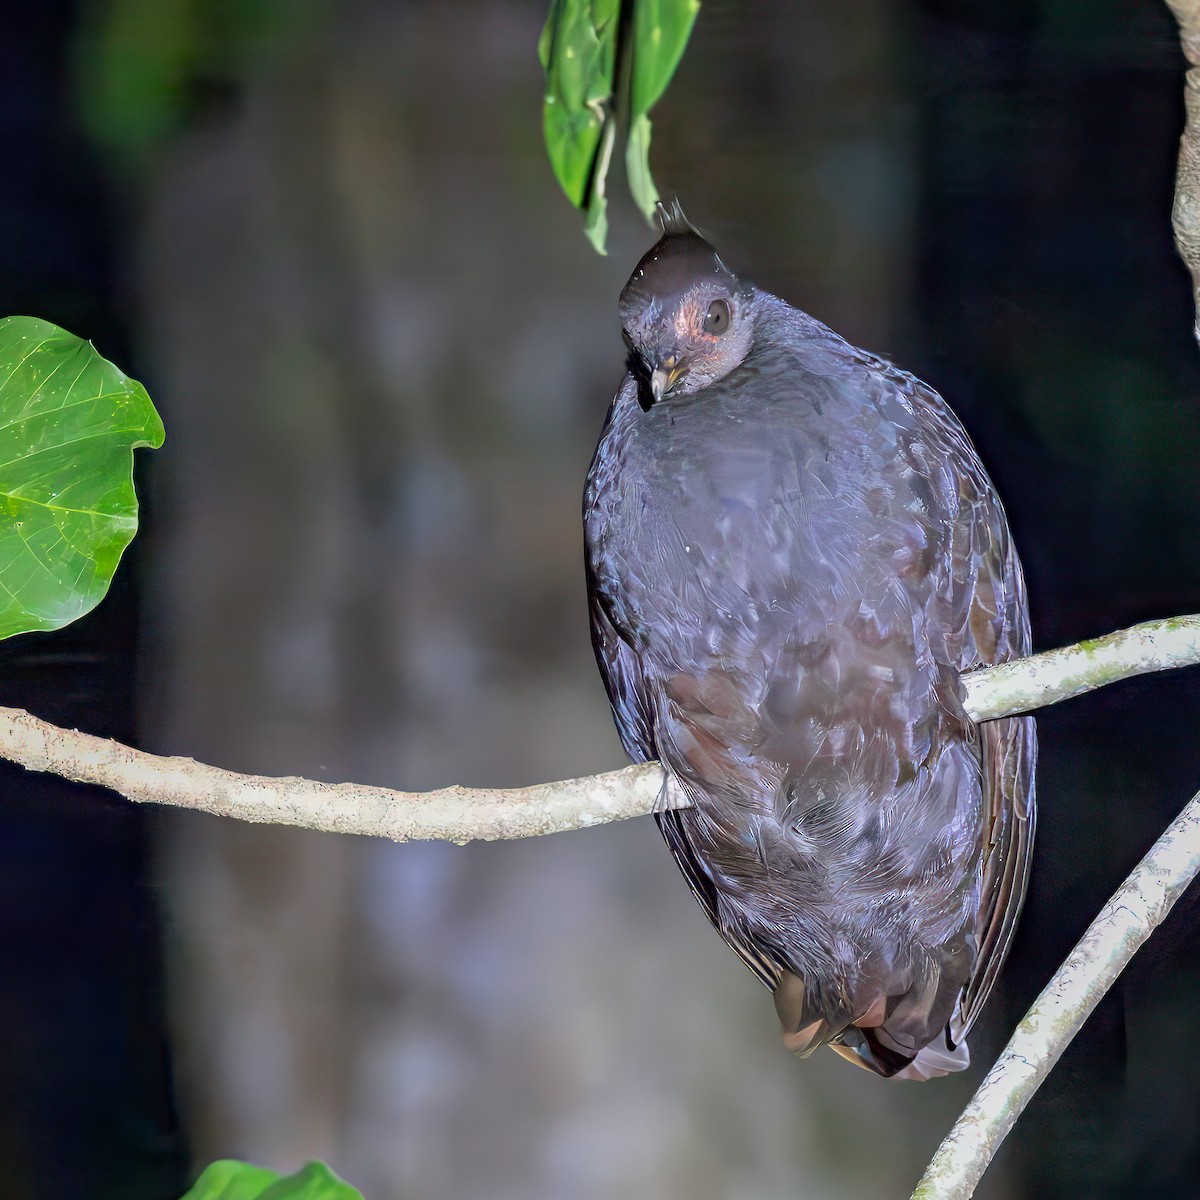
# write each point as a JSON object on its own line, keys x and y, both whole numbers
{"x": 383, "y": 349}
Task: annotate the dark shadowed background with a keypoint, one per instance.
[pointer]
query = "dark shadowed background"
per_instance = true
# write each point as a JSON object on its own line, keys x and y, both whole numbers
{"x": 326, "y": 237}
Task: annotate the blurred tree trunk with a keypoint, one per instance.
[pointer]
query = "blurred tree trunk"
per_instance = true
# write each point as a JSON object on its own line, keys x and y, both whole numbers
{"x": 386, "y": 351}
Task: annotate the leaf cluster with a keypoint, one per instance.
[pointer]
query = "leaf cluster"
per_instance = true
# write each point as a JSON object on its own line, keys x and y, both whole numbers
{"x": 607, "y": 63}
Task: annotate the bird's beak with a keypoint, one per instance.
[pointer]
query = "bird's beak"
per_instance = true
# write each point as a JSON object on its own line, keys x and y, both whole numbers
{"x": 664, "y": 377}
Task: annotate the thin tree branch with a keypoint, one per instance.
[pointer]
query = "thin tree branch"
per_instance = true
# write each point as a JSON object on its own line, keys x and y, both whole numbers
{"x": 1124, "y": 923}
{"x": 459, "y": 814}
{"x": 453, "y": 814}
{"x": 1185, "y": 215}
{"x": 1044, "y": 679}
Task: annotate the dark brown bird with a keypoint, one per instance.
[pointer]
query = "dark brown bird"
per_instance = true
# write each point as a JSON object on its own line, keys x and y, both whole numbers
{"x": 793, "y": 553}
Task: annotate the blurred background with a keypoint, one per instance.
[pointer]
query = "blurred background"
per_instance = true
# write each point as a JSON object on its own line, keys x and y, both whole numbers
{"x": 325, "y": 235}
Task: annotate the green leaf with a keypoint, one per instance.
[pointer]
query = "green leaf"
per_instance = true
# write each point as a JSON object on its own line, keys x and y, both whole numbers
{"x": 137, "y": 63}
{"x": 133, "y": 61}
{"x": 595, "y": 223}
{"x": 229, "y": 1180}
{"x": 637, "y": 166}
{"x": 577, "y": 49}
{"x": 69, "y": 422}
{"x": 661, "y": 29}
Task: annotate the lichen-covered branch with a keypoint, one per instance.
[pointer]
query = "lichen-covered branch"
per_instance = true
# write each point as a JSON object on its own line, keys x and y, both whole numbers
{"x": 1126, "y": 921}
{"x": 453, "y": 814}
{"x": 1044, "y": 679}
{"x": 458, "y": 814}
{"x": 1185, "y": 215}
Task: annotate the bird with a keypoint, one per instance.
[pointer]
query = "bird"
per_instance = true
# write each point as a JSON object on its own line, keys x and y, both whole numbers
{"x": 793, "y": 556}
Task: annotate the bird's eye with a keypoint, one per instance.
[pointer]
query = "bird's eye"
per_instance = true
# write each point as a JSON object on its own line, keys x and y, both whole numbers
{"x": 716, "y": 321}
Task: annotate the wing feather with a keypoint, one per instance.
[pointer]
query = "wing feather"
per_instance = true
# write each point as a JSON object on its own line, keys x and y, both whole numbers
{"x": 995, "y": 630}
{"x": 628, "y": 696}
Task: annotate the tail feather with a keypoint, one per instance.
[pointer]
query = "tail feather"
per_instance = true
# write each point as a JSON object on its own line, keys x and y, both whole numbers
{"x": 869, "y": 1049}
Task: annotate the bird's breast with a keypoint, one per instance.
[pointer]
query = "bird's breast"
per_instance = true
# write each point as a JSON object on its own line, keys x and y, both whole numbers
{"x": 703, "y": 520}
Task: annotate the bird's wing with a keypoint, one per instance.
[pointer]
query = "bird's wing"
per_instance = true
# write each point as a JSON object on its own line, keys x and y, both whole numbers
{"x": 993, "y": 627}
{"x": 672, "y": 823}
{"x": 631, "y": 706}
{"x": 1009, "y": 750}
{"x": 622, "y": 675}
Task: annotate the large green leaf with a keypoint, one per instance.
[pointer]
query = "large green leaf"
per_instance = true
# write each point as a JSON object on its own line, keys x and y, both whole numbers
{"x": 69, "y": 422}
{"x": 229, "y": 1180}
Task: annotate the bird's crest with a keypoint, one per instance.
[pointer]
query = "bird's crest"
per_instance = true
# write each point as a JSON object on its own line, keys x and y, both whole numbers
{"x": 672, "y": 218}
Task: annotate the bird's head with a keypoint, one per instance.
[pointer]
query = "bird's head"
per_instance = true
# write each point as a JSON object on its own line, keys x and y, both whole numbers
{"x": 686, "y": 318}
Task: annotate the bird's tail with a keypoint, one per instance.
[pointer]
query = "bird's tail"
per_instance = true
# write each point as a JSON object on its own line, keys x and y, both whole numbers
{"x": 868, "y": 1048}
